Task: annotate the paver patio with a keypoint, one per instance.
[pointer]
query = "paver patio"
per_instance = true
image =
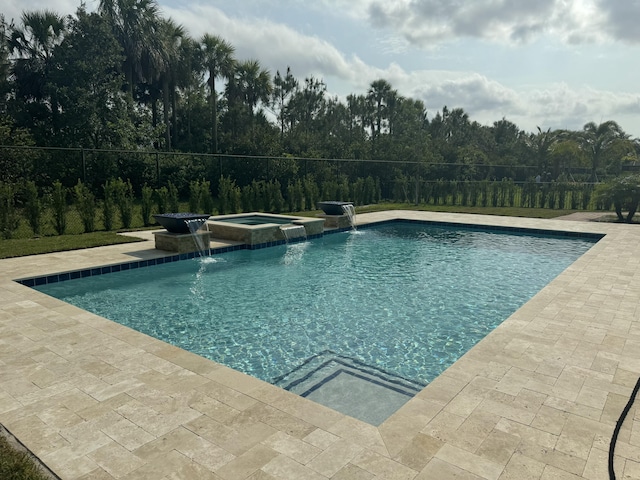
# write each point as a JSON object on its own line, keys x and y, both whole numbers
{"x": 538, "y": 398}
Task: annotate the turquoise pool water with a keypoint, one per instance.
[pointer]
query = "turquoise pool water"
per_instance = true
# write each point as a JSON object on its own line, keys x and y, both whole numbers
{"x": 407, "y": 299}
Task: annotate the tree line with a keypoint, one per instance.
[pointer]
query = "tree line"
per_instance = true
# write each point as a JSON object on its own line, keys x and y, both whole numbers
{"x": 125, "y": 77}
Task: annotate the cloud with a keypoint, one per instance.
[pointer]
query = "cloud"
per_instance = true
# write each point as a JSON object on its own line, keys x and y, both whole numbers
{"x": 427, "y": 23}
{"x": 562, "y": 106}
{"x": 622, "y": 19}
{"x": 275, "y": 45}
{"x": 13, "y": 9}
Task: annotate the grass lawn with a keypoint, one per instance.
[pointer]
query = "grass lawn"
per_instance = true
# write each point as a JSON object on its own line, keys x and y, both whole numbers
{"x": 504, "y": 211}
{"x": 17, "y": 464}
{"x": 20, "y": 247}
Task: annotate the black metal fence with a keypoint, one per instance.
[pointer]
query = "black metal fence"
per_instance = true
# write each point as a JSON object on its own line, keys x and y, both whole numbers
{"x": 168, "y": 180}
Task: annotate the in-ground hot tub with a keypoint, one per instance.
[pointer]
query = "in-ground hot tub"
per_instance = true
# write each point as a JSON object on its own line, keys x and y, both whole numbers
{"x": 258, "y": 219}
{"x": 258, "y": 228}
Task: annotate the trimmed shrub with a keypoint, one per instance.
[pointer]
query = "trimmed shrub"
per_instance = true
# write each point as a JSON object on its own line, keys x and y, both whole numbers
{"x": 277, "y": 200}
{"x": 173, "y": 199}
{"x": 162, "y": 199}
{"x": 124, "y": 200}
{"x": 146, "y": 204}
{"x": 205, "y": 197}
{"x": 9, "y": 219}
{"x": 33, "y": 207}
{"x": 109, "y": 205}
{"x": 86, "y": 206}
{"x": 59, "y": 208}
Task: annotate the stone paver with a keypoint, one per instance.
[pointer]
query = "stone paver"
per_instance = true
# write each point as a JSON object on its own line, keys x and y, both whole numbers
{"x": 538, "y": 398}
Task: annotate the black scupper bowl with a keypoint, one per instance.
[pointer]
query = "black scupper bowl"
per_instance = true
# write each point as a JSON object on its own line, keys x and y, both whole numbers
{"x": 333, "y": 207}
{"x": 177, "y": 222}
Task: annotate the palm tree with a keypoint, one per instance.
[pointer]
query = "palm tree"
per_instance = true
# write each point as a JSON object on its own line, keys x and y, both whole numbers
{"x": 135, "y": 24}
{"x": 189, "y": 80}
{"x": 378, "y": 95}
{"x": 5, "y": 69}
{"x": 171, "y": 37}
{"x": 596, "y": 140}
{"x": 541, "y": 145}
{"x": 253, "y": 83}
{"x": 33, "y": 46}
{"x": 219, "y": 61}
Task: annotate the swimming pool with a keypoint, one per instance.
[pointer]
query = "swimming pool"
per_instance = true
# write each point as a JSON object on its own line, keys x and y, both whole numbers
{"x": 402, "y": 301}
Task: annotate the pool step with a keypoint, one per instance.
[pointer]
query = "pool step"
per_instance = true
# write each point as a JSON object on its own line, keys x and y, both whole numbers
{"x": 350, "y": 386}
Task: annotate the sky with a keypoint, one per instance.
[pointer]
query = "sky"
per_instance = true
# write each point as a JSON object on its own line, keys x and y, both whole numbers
{"x": 537, "y": 63}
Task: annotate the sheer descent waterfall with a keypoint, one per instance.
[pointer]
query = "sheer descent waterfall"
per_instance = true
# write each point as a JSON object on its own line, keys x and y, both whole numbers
{"x": 350, "y": 211}
{"x": 291, "y": 232}
{"x": 194, "y": 226}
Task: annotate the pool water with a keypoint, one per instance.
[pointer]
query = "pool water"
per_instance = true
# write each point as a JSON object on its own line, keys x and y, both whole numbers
{"x": 402, "y": 300}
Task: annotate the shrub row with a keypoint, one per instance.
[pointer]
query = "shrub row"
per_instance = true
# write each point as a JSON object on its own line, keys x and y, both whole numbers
{"x": 116, "y": 207}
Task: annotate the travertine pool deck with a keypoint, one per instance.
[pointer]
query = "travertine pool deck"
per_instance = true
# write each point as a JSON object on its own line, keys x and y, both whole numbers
{"x": 536, "y": 399}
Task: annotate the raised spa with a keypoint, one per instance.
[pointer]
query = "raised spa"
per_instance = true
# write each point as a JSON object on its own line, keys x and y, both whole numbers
{"x": 257, "y": 229}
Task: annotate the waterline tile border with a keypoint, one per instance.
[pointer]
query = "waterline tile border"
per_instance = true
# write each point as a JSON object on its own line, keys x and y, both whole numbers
{"x": 91, "y": 272}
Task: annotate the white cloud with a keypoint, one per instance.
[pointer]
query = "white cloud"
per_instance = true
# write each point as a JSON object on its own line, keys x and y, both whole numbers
{"x": 426, "y": 23}
{"x": 623, "y": 17}
{"x": 12, "y": 9}
{"x": 275, "y": 45}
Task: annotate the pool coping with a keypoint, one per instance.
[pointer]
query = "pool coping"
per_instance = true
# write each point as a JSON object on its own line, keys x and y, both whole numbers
{"x": 537, "y": 398}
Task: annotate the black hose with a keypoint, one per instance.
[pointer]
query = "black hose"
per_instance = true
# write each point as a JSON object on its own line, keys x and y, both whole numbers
{"x": 616, "y": 431}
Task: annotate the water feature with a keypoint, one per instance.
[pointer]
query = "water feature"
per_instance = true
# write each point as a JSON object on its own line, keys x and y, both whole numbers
{"x": 201, "y": 240}
{"x": 350, "y": 211}
{"x": 293, "y": 232}
{"x": 177, "y": 222}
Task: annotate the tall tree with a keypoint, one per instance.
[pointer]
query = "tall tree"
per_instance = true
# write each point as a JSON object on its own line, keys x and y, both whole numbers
{"x": 219, "y": 61}
{"x": 283, "y": 90}
{"x": 306, "y": 109}
{"x": 541, "y": 147}
{"x": 357, "y": 118}
{"x": 597, "y": 139}
{"x": 378, "y": 95}
{"x": 189, "y": 80}
{"x": 253, "y": 84}
{"x": 33, "y": 45}
{"x": 135, "y": 24}
{"x": 93, "y": 104}
{"x": 5, "y": 65}
{"x": 171, "y": 36}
